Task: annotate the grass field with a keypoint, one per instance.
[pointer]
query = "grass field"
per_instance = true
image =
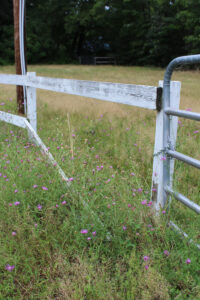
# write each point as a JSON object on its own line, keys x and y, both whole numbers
{"x": 53, "y": 246}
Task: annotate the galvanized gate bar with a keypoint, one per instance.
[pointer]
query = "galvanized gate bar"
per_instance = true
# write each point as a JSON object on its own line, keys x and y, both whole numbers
{"x": 182, "y": 233}
{"x": 183, "y": 114}
{"x": 183, "y": 200}
{"x": 183, "y": 60}
{"x": 187, "y": 159}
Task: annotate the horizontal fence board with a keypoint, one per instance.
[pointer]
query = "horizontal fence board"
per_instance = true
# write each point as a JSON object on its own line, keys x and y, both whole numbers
{"x": 13, "y": 79}
{"x": 136, "y": 95}
{"x": 12, "y": 119}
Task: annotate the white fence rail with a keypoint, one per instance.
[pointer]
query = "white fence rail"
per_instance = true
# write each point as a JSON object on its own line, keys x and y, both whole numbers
{"x": 148, "y": 97}
{"x": 12, "y": 119}
{"x": 131, "y": 94}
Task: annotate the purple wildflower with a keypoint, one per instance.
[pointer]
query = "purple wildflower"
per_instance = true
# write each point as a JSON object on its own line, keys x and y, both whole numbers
{"x": 188, "y": 261}
{"x": 146, "y": 258}
{"x": 9, "y": 267}
{"x": 107, "y": 181}
{"x": 39, "y": 206}
{"x": 84, "y": 231}
{"x": 163, "y": 158}
{"x": 166, "y": 252}
{"x": 44, "y": 188}
{"x": 144, "y": 202}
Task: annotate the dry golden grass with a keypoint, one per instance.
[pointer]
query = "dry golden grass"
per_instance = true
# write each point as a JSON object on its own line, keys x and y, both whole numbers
{"x": 135, "y": 75}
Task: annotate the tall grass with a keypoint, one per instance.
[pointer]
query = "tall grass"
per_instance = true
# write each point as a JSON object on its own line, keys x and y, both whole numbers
{"x": 96, "y": 238}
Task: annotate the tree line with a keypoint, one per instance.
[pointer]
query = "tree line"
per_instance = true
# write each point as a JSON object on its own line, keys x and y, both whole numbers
{"x": 135, "y": 32}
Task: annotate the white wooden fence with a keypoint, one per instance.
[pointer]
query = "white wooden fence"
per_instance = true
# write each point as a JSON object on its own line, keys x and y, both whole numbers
{"x": 148, "y": 97}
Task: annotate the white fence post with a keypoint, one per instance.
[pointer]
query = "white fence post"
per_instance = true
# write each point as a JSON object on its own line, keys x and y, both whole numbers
{"x": 32, "y": 103}
{"x": 159, "y": 156}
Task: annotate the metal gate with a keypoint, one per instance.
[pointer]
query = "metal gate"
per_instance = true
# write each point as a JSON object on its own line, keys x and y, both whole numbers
{"x": 168, "y": 148}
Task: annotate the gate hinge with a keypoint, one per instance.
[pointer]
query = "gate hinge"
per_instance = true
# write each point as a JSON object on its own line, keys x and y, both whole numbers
{"x": 159, "y": 98}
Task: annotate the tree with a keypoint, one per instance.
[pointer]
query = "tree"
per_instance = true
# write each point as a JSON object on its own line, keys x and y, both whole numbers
{"x": 6, "y": 33}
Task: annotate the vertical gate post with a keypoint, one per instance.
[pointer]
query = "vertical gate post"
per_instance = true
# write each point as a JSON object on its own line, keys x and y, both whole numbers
{"x": 32, "y": 103}
{"x": 159, "y": 160}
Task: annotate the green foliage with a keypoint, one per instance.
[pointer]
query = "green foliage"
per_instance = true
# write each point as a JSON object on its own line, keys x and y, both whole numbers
{"x": 135, "y": 32}
{"x": 6, "y": 33}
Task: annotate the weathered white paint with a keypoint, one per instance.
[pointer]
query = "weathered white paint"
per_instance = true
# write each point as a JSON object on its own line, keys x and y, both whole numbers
{"x": 12, "y": 119}
{"x": 159, "y": 157}
{"x": 137, "y": 95}
{"x": 44, "y": 149}
{"x": 31, "y": 103}
{"x": 13, "y": 79}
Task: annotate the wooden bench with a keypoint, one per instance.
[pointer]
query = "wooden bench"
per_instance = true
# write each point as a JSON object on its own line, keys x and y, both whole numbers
{"x": 104, "y": 60}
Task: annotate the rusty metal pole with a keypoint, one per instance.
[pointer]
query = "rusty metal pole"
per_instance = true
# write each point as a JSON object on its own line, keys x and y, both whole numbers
{"x": 20, "y": 92}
